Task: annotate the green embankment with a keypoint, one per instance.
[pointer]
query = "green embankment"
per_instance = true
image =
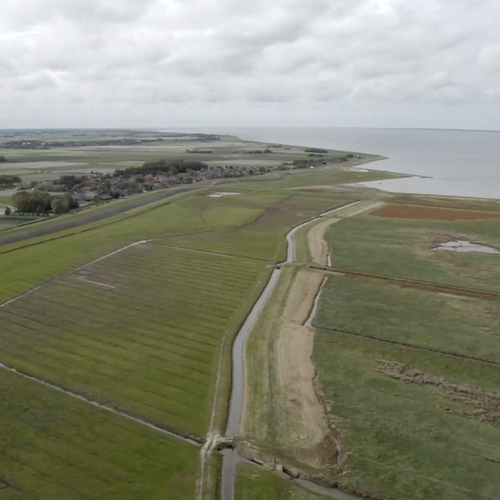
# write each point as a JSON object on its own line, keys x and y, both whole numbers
{"x": 56, "y": 447}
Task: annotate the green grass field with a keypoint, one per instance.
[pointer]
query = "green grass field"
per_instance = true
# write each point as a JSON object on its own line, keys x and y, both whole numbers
{"x": 144, "y": 330}
{"x": 264, "y": 237}
{"x": 412, "y": 441}
{"x": 403, "y": 248}
{"x": 139, "y": 330}
{"x": 254, "y": 483}
{"x": 56, "y": 447}
{"x": 465, "y": 326}
{"x": 25, "y": 265}
{"x": 416, "y": 424}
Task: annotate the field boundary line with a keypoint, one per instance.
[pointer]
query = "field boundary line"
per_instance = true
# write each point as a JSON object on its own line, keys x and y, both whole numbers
{"x": 212, "y": 252}
{"x": 409, "y": 282}
{"x": 74, "y": 395}
{"x": 104, "y": 285}
{"x": 68, "y": 273}
{"x": 411, "y": 346}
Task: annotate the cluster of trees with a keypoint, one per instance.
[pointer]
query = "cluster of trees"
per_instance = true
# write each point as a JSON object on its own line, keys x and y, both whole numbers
{"x": 9, "y": 180}
{"x": 308, "y": 163}
{"x": 258, "y": 151}
{"x": 2, "y": 159}
{"x": 39, "y": 203}
{"x": 169, "y": 167}
{"x": 69, "y": 181}
{"x": 316, "y": 150}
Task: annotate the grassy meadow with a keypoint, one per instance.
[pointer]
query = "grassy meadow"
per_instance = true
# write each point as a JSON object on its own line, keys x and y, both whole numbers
{"x": 139, "y": 330}
{"x": 417, "y": 420}
{"x": 56, "y": 447}
{"x": 460, "y": 325}
{"x": 254, "y": 483}
{"x": 432, "y": 436}
{"x": 29, "y": 263}
{"x": 404, "y": 248}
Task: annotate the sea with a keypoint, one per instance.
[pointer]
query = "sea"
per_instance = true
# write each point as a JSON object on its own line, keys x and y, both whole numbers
{"x": 441, "y": 162}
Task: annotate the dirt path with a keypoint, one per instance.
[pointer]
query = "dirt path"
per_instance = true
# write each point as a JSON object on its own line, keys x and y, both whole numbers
{"x": 305, "y": 426}
{"x": 318, "y": 247}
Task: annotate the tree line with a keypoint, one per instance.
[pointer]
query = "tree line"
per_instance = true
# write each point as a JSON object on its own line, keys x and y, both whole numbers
{"x": 9, "y": 180}
{"x": 40, "y": 202}
{"x": 169, "y": 167}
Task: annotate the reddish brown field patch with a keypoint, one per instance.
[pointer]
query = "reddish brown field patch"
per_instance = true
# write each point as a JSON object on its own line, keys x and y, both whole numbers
{"x": 419, "y": 212}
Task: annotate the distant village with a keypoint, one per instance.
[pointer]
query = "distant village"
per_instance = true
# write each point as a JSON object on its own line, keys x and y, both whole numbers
{"x": 75, "y": 191}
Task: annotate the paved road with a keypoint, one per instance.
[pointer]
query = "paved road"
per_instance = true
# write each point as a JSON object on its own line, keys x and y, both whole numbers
{"x": 91, "y": 217}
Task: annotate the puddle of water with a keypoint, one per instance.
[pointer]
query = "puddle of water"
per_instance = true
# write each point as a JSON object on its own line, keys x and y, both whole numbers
{"x": 222, "y": 194}
{"x": 464, "y": 246}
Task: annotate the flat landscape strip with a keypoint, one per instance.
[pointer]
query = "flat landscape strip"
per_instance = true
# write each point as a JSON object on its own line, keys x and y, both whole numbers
{"x": 432, "y": 213}
{"x": 414, "y": 283}
{"x": 411, "y": 435}
{"x": 34, "y": 289}
{"x": 57, "y": 447}
{"x": 411, "y": 346}
{"x": 90, "y": 218}
{"x": 55, "y": 387}
{"x": 148, "y": 345}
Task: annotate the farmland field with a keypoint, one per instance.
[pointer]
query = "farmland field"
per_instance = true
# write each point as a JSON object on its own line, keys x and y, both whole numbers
{"x": 415, "y": 425}
{"x": 263, "y": 238}
{"x": 139, "y": 330}
{"x": 391, "y": 391}
{"x": 405, "y": 248}
{"x": 444, "y": 322}
{"x": 132, "y": 310}
{"x": 410, "y": 375}
{"x": 25, "y": 265}
{"x": 56, "y": 447}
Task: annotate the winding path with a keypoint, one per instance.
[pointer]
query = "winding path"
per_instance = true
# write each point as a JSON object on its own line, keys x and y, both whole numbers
{"x": 231, "y": 457}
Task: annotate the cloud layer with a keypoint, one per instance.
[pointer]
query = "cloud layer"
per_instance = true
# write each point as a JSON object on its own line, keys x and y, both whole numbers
{"x": 202, "y": 62}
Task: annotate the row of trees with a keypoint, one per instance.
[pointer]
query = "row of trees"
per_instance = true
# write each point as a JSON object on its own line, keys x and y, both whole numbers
{"x": 39, "y": 203}
{"x": 9, "y": 180}
{"x": 170, "y": 167}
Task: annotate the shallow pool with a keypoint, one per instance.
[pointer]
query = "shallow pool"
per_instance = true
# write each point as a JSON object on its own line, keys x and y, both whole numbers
{"x": 464, "y": 246}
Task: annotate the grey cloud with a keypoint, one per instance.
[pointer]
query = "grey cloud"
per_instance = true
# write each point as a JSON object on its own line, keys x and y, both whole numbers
{"x": 135, "y": 57}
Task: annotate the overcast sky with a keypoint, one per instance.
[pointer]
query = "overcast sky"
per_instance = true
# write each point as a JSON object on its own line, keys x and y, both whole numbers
{"x": 174, "y": 63}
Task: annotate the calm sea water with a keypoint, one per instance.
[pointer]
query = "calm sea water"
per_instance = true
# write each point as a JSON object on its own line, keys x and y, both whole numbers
{"x": 456, "y": 163}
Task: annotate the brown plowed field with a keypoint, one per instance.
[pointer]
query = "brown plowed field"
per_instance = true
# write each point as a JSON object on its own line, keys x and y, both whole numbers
{"x": 417, "y": 212}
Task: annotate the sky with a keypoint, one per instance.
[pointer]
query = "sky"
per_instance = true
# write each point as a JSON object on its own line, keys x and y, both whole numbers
{"x": 236, "y": 63}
